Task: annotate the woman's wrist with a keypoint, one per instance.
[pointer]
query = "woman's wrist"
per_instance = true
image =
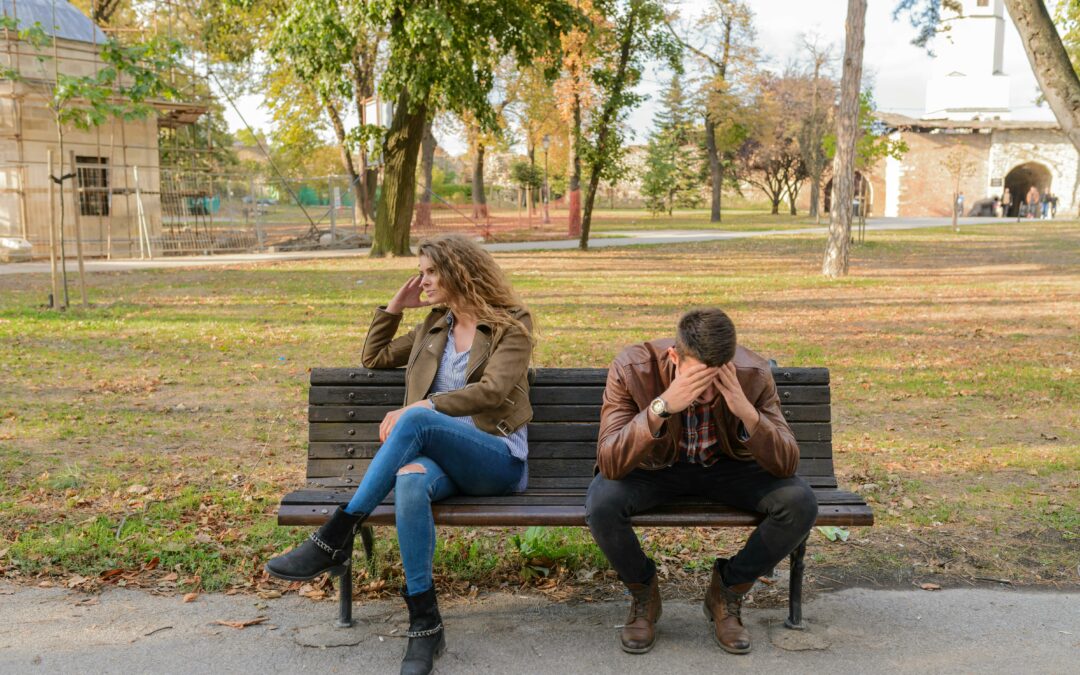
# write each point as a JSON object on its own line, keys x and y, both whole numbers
{"x": 393, "y": 308}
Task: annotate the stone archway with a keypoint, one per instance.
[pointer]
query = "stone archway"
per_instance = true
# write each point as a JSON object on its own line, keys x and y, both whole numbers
{"x": 1020, "y": 180}
{"x": 861, "y": 184}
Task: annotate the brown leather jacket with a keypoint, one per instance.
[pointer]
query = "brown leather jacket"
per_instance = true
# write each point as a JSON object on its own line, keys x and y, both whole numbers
{"x": 496, "y": 391}
{"x": 642, "y": 372}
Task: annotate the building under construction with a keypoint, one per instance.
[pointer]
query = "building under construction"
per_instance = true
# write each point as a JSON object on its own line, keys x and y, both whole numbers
{"x": 113, "y": 202}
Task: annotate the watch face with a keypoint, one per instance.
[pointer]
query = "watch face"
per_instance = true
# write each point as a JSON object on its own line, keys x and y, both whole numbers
{"x": 658, "y": 407}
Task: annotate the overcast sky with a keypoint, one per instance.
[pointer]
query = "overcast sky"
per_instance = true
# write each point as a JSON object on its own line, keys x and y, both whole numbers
{"x": 898, "y": 69}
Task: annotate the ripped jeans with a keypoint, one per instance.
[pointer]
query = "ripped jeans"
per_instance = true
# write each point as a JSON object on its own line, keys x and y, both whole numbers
{"x": 428, "y": 457}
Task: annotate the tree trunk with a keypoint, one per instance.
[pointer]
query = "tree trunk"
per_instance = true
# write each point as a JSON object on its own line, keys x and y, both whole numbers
{"x": 847, "y": 122}
{"x": 356, "y": 179}
{"x": 815, "y": 197}
{"x": 775, "y": 201}
{"x": 606, "y": 120}
{"x": 714, "y": 168}
{"x": 400, "y": 150}
{"x": 1054, "y": 72}
{"x": 427, "y": 163}
{"x": 479, "y": 199}
{"x": 574, "y": 186}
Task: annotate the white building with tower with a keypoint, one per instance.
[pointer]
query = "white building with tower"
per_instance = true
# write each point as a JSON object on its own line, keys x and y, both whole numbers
{"x": 968, "y": 116}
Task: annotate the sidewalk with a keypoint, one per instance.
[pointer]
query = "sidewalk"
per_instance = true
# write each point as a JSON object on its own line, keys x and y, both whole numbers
{"x": 609, "y": 239}
{"x": 853, "y": 631}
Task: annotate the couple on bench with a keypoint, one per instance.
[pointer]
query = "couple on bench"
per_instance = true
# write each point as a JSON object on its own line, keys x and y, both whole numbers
{"x": 694, "y": 415}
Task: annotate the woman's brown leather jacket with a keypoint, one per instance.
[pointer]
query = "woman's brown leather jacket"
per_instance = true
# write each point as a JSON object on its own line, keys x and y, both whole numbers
{"x": 496, "y": 391}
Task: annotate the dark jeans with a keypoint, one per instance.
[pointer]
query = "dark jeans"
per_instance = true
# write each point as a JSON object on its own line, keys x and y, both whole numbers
{"x": 788, "y": 504}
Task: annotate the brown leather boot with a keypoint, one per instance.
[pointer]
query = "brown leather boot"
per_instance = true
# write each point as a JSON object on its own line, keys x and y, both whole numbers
{"x": 639, "y": 632}
{"x": 723, "y": 607}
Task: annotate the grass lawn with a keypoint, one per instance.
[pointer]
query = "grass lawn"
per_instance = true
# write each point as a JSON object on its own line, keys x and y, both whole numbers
{"x": 146, "y": 441}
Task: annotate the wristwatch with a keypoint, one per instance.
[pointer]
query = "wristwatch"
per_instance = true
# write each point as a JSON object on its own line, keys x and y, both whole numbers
{"x": 659, "y": 407}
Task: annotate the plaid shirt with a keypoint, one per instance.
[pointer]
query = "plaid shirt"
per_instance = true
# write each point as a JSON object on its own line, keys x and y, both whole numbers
{"x": 698, "y": 442}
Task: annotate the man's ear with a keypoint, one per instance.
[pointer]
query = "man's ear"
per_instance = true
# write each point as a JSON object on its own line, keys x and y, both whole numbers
{"x": 673, "y": 354}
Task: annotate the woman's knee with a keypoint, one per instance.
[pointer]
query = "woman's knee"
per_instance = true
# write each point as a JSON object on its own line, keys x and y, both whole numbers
{"x": 411, "y": 489}
{"x": 416, "y": 418}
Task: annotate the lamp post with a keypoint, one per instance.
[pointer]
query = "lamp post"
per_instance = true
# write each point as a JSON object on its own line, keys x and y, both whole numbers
{"x": 546, "y": 143}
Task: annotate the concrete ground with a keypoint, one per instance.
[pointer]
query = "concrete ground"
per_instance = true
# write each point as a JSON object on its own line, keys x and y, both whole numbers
{"x": 851, "y": 631}
{"x": 610, "y": 239}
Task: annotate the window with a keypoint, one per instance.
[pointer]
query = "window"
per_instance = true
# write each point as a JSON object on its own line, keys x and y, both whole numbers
{"x": 93, "y": 184}
{"x": 982, "y": 3}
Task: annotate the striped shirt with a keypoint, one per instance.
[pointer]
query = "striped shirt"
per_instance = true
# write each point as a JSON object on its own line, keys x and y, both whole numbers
{"x": 451, "y": 376}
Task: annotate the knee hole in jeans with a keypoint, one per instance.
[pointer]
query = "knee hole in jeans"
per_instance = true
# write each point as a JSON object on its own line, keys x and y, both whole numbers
{"x": 411, "y": 468}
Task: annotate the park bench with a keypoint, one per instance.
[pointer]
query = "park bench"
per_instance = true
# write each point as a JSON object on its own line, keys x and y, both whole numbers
{"x": 347, "y": 404}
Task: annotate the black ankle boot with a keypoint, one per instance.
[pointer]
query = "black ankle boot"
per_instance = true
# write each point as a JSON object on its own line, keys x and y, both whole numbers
{"x": 327, "y": 550}
{"x": 426, "y": 638}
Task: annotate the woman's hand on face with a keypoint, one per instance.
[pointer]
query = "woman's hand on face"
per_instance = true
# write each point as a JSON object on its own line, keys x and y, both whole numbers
{"x": 391, "y": 419}
{"x": 407, "y": 297}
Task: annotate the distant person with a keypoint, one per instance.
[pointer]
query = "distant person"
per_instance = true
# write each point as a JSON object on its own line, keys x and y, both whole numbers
{"x": 1032, "y": 202}
{"x": 1006, "y": 201}
{"x": 960, "y": 204}
{"x": 1046, "y": 205}
{"x": 1053, "y": 205}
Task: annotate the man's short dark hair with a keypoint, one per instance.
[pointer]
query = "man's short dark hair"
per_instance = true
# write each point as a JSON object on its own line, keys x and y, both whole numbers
{"x": 707, "y": 335}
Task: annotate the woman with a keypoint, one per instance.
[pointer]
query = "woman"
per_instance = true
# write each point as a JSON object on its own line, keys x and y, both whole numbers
{"x": 462, "y": 429}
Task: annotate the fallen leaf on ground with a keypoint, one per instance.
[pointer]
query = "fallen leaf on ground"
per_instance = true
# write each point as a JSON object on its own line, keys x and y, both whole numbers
{"x": 190, "y": 597}
{"x": 242, "y": 624}
{"x": 138, "y": 490}
{"x": 930, "y": 587}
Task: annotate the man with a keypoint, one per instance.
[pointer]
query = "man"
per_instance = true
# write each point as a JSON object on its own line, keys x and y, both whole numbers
{"x": 698, "y": 416}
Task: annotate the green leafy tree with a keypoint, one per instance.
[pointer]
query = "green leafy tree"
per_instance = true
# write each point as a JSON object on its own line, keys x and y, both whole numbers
{"x": 634, "y": 37}
{"x": 673, "y": 161}
{"x": 442, "y": 55}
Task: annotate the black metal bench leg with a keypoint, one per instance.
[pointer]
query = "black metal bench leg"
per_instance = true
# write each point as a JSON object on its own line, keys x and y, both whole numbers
{"x": 367, "y": 538}
{"x": 345, "y": 597}
{"x": 794, "y": 620}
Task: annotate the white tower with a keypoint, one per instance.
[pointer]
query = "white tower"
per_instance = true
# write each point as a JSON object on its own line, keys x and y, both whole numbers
{"x": 966, "y": 81}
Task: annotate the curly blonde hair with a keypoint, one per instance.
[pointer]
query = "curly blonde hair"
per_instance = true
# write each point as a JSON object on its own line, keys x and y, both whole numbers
{"x": 470, "y": 275}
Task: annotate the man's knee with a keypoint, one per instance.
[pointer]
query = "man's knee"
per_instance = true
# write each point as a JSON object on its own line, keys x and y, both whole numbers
{"x": 605, "y": 502}
{"x": 796, "y": 505}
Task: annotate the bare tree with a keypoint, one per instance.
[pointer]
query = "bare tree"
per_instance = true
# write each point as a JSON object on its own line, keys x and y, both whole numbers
{"x": 815, "y": 125}
{"x": 847, "y": 129}
{"x": 958, "y": 165}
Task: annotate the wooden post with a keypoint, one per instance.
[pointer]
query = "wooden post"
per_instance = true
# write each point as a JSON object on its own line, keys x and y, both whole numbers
{"x": 52, "y": 236}
{"x": 76, "y": 193}
{"x": 144, "y": 231}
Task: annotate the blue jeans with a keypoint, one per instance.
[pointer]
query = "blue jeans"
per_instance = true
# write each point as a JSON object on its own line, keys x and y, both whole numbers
{"x": 429, "y": 457}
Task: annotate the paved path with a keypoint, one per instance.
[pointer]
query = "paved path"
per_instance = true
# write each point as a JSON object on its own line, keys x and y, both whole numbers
{"x": 609, "y": 239}
{"x": 852, "y": 631}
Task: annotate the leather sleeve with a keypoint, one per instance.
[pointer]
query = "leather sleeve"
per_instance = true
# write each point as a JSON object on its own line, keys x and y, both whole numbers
{"x": 507, "y": 365}
{"x": 625, "y": 438}
{"x": 773, "y": 444}
{"x": 381, "y": 349}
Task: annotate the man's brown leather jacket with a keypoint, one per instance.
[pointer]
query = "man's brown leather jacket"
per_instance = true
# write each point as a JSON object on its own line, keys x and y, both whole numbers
{"x": 496, "y": 391}
{"x": 642, "y": 372}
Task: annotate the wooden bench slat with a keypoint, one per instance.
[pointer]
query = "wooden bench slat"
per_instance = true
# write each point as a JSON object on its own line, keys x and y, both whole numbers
{"x": 542, "y": 468}
{"x": 333, "y": 497}
{"x": 555, "y": 395}
{"x": 557, "y": 431}
{"x": 541, "y": 413}
{"x": 537, "y": 450}
{"x": 575, "y": 482}
{"x": 495, "y": 515}
{"x": 543, "y": 376}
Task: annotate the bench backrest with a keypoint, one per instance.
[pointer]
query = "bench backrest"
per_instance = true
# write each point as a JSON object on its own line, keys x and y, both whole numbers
{"x": 347, "y": 404}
